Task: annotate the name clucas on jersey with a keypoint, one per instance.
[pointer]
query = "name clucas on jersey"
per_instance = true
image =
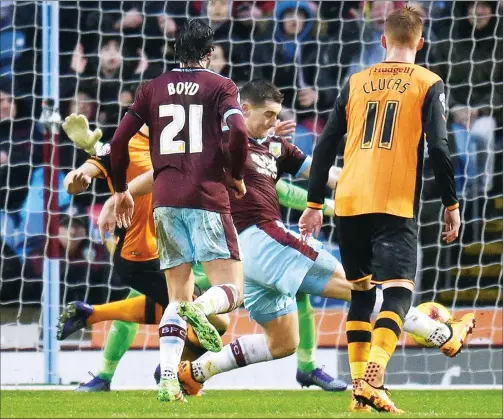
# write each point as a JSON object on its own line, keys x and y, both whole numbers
{"x": 385, "y": 84}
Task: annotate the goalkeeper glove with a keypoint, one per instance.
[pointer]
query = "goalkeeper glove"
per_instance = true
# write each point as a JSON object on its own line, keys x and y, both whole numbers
{"x": 77, "y": 129}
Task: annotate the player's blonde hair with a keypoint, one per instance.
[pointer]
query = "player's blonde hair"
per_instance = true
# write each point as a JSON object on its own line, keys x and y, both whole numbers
{"x": 403, "y": 27}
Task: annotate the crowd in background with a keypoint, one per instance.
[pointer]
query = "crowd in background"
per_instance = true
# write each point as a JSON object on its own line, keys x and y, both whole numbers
{"x": 307, "y": 48}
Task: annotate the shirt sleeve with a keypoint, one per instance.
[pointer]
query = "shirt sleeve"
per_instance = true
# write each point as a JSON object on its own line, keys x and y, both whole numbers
{"x": 326, "y": 149}
{"x": 293, "y": 159}
{"x": 229, "y": 100}
{"x": 434, "y": 127}
{"x": 141, "y": 105}
{"x": 102, "y": 161}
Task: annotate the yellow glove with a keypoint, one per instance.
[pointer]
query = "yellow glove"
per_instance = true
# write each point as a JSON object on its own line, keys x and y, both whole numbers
{"x": 77, "y": 129}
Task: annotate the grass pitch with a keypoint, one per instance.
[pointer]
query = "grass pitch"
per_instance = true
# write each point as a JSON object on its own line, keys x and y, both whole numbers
{"x": 243, "y": 404}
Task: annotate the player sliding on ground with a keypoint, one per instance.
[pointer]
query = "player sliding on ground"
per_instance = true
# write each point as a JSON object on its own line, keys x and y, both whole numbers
{"x": 184, "y": 110}
{"x": 377, "y": 196}
{"x": 277, "y": 264}
{"x": 147, "y": 309}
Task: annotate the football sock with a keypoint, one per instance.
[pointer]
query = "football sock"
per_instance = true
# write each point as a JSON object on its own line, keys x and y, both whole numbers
{"x": 172, "y": 336}
{"x": 200, "y": 277}
{"x": 358, "y": 331}
{"x": 246, "y": 350}
{"x": 219, "y": 299}
{"x": 307, "y": 334}
{"x": 420, "y": 324}
{"x": 120, "y": 337}
{"x": 131, "y": 309}
{"x": 387, "y": 329}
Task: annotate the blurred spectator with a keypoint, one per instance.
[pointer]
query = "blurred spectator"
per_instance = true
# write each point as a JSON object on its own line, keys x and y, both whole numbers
{"x": 297, "y": 63}
{"x": 239, "y": 33}
{"x": 115, "y": 72}
{"x": 219, "y": 61}
{"x": 20, "y": 147}
{"x": 470, "y": 63}
{"x": 17, "y": 26}
{"x": 371, "y": 51}
{"x": 81, "y": 100}
{"x": 163, "y": 18}
{"x": 85, "y": 269}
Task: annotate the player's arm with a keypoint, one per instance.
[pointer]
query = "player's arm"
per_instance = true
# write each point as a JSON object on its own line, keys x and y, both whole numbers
{"x": 230, "y": 110}
{"x": 333, "y": 177}
{"x": 137, "y": 115}
{"x": 323, "y": 159}
{"x": 77, "y": 129}
{"x": 434, "y": 126}
{"x": 78, "y": 180}
{"x": 292, "y": 196}
{"x": 142, "y": 185}
{"x": 325, "y": 152}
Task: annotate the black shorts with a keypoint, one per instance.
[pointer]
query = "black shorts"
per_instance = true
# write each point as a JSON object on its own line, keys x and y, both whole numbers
{"x": 145, "y": 277}
{"x": 381, "y": 245}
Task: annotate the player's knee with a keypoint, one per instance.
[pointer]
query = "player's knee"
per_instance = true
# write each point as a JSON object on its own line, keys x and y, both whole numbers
{"x": 362, "y": 305}
{"x": 363, "y": 285}
{"x": 397, "y": 300}
{"x": 280, "y": 348}
{"x": 220, "y": 321}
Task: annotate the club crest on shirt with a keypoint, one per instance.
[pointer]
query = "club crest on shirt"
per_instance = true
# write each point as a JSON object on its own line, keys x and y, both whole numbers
{"x": 275, "y": 149}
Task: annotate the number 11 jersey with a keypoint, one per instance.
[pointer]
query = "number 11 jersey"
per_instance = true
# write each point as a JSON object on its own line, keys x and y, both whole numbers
{"x": 185, "y": 110}
{"x": 390, "y": 109}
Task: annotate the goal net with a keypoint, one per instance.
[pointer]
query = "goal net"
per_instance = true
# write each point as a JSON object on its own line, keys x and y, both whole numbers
{"x": 308, "y": 49}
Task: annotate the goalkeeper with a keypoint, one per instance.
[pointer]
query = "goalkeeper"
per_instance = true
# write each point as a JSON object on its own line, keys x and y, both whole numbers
{"x": 136, "y": 257}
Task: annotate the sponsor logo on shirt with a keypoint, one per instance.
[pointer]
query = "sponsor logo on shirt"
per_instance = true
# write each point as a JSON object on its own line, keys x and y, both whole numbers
{"x": 265, "y": 165}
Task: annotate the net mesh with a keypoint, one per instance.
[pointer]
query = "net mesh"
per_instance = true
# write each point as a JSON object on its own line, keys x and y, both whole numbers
{"x": 309, "y": 49}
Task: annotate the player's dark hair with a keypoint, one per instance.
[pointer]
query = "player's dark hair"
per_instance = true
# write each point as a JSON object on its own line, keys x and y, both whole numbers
{"x": 258, "y": 92}
{"x": 193, "y": 42}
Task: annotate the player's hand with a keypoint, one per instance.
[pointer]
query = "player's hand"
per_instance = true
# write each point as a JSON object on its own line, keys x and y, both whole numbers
{"x": 452, "y": 225}
{"x": 106, "y": 219}
{"x": 239, "y": 188}
{"x": 77, "y": 129}
{"x": 284, "y": 128}
{"x": 310, "y": 222}
{"x": 123, "y": 208}
{"x": 79, "y": 182}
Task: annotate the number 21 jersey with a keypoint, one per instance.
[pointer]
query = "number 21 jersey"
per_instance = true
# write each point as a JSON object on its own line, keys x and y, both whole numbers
{"x": 184, "y": 109}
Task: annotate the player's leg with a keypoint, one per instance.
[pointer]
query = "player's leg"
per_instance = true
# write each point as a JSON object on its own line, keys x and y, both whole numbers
{"x": 449, "y": 337}
{"x": 144, "y": 277}
{"x": 307, "y": 335}
{"x": 308, "y": 373}
{"x": 176, "y": 256}
{"x": 216, "y": 247}
{"x": 396, "y": 271}
{"x": 279, "y": 340}
{"x": 356, "y": 258}
{"x": 120, "y": 337}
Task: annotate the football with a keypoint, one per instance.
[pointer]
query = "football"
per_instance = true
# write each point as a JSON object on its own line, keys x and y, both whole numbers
{"x": 436, "y": 312}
